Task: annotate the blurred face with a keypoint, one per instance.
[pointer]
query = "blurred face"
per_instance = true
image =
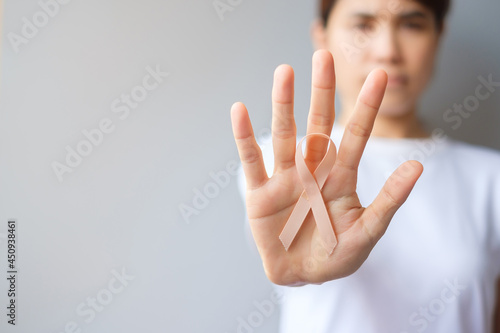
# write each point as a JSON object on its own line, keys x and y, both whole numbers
{"x": 398, "y": 36}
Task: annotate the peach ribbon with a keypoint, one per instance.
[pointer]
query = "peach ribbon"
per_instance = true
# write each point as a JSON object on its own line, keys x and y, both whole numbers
{"x": 311, "y": 198}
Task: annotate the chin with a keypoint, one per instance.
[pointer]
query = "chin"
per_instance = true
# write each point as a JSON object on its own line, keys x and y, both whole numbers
{"x": 396, "y": 106}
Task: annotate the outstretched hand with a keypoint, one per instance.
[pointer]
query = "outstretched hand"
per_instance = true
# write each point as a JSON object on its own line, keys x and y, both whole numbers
{"x": 270, "y": 201}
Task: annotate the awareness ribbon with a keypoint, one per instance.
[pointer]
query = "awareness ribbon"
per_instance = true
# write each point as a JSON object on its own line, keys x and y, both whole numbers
{"x": 311, "y": 198}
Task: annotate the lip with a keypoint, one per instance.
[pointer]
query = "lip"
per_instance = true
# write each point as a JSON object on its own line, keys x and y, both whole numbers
{"x": 397, "y": 80}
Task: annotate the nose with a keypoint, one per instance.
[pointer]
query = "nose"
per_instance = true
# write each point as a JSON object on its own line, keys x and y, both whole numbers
{"x": 386, "y": 48}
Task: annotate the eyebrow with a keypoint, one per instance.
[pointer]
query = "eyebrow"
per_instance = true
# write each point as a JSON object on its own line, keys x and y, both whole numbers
{"x": 407, "y": 15}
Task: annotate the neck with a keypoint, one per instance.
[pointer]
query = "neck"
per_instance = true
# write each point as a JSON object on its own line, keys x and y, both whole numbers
{"x": 405, "y": 126}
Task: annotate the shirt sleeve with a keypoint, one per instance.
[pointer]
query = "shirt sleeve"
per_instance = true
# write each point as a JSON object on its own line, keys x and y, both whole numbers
{"x": 495, "y": 219}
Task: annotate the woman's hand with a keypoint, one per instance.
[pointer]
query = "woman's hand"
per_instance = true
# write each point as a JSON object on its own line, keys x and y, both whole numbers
{"x": 270, "y": 201}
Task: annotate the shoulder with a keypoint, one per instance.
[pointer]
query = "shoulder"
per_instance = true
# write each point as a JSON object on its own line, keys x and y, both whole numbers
{"x": 479, "y": 158}
{"x": 472, "y": 174}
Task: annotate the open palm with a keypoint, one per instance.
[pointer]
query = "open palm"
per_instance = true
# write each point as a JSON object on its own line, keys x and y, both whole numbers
{"x": 270, "y": 201}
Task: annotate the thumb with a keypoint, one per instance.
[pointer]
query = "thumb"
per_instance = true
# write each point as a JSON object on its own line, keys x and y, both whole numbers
{"x": 397, "y": 188}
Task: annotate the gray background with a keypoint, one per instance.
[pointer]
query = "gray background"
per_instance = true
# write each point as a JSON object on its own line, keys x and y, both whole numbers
{"x": 120, "y": 207}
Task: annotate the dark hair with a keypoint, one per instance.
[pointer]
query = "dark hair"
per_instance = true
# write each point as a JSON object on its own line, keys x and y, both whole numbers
{"x": 438, "y": 7}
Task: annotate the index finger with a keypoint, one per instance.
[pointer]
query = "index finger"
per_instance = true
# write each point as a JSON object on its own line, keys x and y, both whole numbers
{"x": 359, "y": 127}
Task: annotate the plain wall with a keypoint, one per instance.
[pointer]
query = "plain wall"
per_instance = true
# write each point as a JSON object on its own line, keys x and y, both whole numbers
{"x": 120, "y": 208}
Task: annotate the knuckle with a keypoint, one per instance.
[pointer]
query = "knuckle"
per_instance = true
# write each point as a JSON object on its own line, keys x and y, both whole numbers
{"x": 284, "y": 133}
{"x": 249, "y": 152}
{"x": 390, "y": 198}
{"x": 394, "y": 182}
{"x": 314, "y": 154}
{"x": 346, "y": 165}
{"x": 359, "y": 131}
{"x": 367, "y": 104}
{"x": 320, "y": 119}
{"x": 284, "y": 126}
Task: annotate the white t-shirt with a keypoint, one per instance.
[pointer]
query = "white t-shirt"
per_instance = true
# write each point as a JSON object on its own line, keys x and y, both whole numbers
{"x": 435, "y": 268}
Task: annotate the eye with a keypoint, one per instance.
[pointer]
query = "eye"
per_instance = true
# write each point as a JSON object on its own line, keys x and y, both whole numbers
{"x": 361, "y": 26}
{"x": 364, "y": 26}
{"x": 413, "y": 25}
